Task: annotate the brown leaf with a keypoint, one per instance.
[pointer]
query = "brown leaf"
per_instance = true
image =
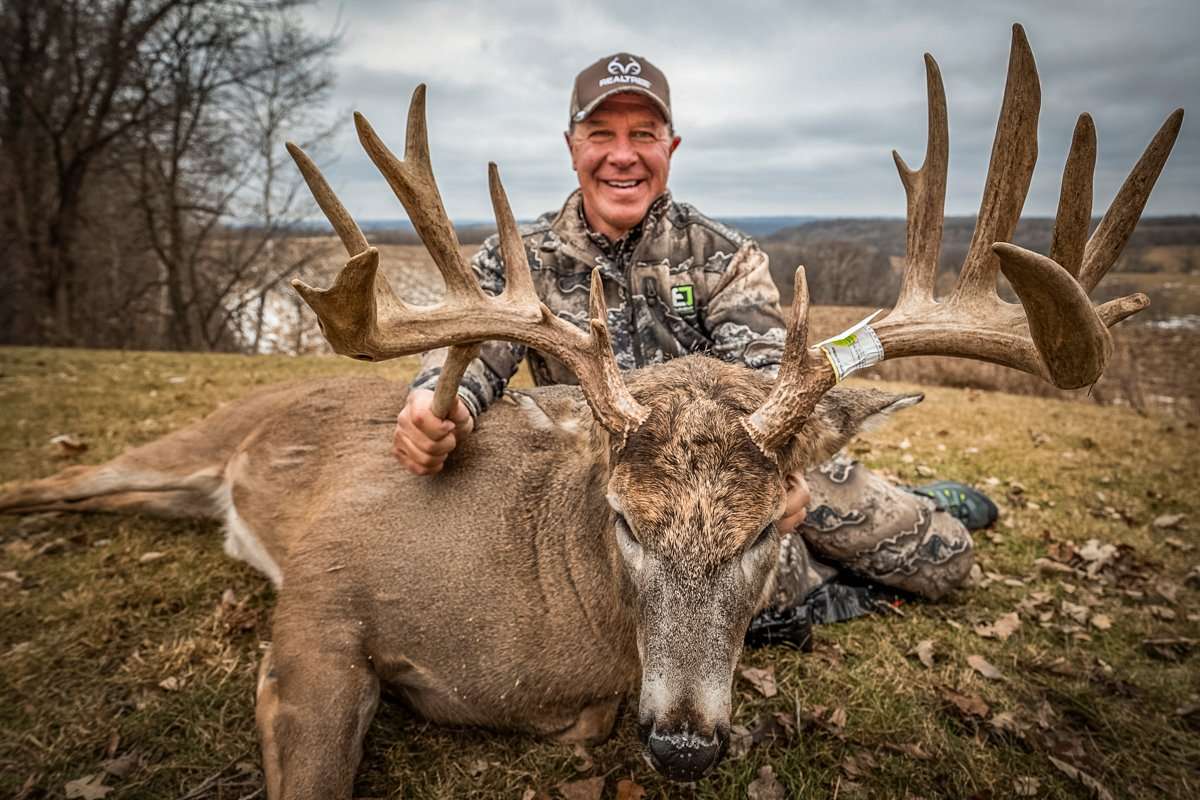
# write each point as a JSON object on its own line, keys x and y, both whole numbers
{"x": 153, "y": 555}
{"x": 477, "y": 768}
{"x": 170, "y": 684}
{"x": 66, "y": 445}
{"x": 1167, "y": 521}
{"x": 762, "y": 679}
{"x": 1098, "y": 789}
{"x": 89, "y": 787}
{"x": 858, "y": 765}
{"x": 1007, "y": 722}
{"x": 628, "y": 789}
{"x": 967, "y": 705}
{"x": 837, "y": 718}
{"x": 910, "y": 749}
{"x": 924, "y": 652}
{"x": 1026, "y": 786}
{"x": 583, "y": 759}
{"x": 1101, "y": 622}
{"x": 120, "y": 767}
{"x": 981, "y": 665}
{"x": 1075, "y": 611}
{"x": 1002, "y": 628}
{"x": 586, "y": 789}
{"x": 1162, "y": 612}
{"x": 765, "y": 786}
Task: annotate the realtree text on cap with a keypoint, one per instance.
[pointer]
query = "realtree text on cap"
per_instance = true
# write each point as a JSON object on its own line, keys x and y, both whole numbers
{"x": 617, "y": 73}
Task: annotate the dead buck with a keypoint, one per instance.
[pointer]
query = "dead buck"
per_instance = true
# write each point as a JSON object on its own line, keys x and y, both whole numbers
{"x": 621, "y": 531}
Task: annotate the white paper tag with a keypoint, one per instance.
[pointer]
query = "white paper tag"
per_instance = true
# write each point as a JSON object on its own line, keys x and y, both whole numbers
{"x": 854, "y": 348}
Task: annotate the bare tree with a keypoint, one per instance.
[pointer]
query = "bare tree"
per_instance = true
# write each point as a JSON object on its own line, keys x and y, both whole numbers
{"x": 210, "y": 189}
{"x": 93, "y": 90}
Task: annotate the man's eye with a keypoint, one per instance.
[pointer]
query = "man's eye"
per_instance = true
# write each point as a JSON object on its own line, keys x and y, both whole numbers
{"x": 600, "y": 136}
{"x": 644, "y": 136}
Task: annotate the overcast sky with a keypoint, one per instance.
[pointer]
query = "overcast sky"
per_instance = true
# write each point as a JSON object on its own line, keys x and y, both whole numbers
{"x": 785, "y": 108}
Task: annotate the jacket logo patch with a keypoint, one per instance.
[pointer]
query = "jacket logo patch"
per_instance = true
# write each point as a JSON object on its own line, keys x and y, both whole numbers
{"x": 683, "y": 298}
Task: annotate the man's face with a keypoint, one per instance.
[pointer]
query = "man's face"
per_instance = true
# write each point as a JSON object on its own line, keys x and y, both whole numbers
{"x": 622, "y": 154}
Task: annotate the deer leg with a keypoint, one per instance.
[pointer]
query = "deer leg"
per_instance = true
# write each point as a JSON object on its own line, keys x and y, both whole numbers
{"x": 313, "y": 709}
{"x": 122, "y": 485}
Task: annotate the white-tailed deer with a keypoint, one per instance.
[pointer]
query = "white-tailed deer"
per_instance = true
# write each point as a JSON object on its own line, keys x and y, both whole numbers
{"x": 621, "y": 531}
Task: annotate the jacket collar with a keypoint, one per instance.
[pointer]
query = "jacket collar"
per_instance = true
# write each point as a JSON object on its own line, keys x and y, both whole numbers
{"x": 571, "y": 226}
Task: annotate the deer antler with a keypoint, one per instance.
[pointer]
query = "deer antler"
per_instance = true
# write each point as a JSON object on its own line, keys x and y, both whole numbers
{"x": 1055, "y": 332}
{"x": 361, "y": 316}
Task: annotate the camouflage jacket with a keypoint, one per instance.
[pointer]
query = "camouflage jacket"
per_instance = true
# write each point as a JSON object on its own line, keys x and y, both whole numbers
{"x": 677, "y": 283}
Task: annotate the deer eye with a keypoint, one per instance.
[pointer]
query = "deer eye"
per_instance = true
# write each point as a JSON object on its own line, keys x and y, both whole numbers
{"x": 631, "y": 548}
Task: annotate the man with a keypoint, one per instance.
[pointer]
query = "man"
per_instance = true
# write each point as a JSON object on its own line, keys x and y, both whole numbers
{"x": 677, "y": 282}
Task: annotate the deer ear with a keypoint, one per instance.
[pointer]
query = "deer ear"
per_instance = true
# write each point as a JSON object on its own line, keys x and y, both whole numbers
{"x": 841, "y": 414}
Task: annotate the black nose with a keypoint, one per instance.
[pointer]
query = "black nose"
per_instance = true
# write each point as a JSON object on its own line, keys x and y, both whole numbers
{"x": 684, "y": 756}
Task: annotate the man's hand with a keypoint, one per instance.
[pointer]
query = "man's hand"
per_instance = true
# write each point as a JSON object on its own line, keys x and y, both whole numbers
{"x": 422, "y": 440}
{"x": 796, "y": 505}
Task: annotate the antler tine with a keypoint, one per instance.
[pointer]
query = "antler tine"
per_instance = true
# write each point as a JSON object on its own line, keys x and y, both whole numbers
{"x": 345, "y": 226}
{"x": 1075, "y": 199}
{"x": 1014, "y": 153}
{"x": 1122, "y": 216}
{"x": 804, "y": 377}
{"x": 925, "y": 190}
{"x": 518, "y": 282}
{"x": 414, "y": 185}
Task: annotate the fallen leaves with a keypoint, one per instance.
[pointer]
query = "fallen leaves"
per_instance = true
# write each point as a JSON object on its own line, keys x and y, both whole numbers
{"x": 89, "y": 787}
{"x": 628, "y": 789}
{"x": 967, "y": 705}
{"x": 1002, "y": 628}
{"x": 762, "y": 679}
{"x": 924, "y": 652}
{"x": 585, "y": 789}
{"x": 66, "y": 445}
{"x": 766, "y": 786}
{"x": 981, "y": 665}
{"x": 1098, "y": 789}
{"x": 1168, "y": 521}
{"x": 150, "y": 557}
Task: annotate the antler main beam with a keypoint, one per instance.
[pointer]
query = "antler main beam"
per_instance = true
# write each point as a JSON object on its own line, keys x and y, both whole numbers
{"x": 1054, "y": 332}
{"x": 361, "y": 316}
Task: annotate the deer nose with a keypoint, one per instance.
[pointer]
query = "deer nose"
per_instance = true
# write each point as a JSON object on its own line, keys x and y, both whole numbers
{"x": 684, "y": 756}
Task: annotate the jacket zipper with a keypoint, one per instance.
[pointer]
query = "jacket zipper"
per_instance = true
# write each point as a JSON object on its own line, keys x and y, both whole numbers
{"x": 633, "y": 330}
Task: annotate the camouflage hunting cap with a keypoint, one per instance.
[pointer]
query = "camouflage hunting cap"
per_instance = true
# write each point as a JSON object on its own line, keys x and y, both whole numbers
{"x": 617, "y": 73}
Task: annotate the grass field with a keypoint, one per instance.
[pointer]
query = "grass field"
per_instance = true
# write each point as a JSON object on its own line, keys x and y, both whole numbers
{"x": 128, "y": 646}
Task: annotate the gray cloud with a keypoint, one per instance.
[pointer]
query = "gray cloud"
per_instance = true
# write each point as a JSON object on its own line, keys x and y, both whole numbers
{"x": 785, "y": 108}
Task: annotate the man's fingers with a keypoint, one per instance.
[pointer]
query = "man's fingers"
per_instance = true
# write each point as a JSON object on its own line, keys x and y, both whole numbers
{"x": 433, "y": 428}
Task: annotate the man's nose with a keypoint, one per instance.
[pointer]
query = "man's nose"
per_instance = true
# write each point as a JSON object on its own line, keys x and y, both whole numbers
{"x": 622, "y": 153}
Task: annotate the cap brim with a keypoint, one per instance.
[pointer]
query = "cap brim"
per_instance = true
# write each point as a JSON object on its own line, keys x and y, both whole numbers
{"x": 587, "y": 110}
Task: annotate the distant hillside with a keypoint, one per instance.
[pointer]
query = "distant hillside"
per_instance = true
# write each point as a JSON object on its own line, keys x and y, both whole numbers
{"x": 858, "y": 261}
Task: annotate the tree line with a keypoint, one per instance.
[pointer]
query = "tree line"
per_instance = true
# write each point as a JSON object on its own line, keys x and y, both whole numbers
{"x": 147, "y": 202}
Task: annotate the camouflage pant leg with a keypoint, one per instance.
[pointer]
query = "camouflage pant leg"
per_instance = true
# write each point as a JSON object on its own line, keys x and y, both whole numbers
{"x": 860, "y": 522}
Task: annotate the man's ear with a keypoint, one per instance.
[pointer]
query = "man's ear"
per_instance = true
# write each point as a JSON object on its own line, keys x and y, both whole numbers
{"x": 841, "y": 414}
{"x": 570, "y": 149}
{"x": 674, "y": 145}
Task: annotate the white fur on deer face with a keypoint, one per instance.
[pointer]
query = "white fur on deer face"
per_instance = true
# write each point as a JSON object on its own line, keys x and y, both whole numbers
{"x": 691, "y": 622}
{"x": 694, "y": 503}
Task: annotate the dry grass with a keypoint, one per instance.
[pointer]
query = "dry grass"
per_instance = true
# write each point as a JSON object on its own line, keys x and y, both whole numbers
{"x": 90, "y": 632}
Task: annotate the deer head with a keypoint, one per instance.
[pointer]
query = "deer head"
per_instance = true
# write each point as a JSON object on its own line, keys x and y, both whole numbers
{"x": 694, "y": 452}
